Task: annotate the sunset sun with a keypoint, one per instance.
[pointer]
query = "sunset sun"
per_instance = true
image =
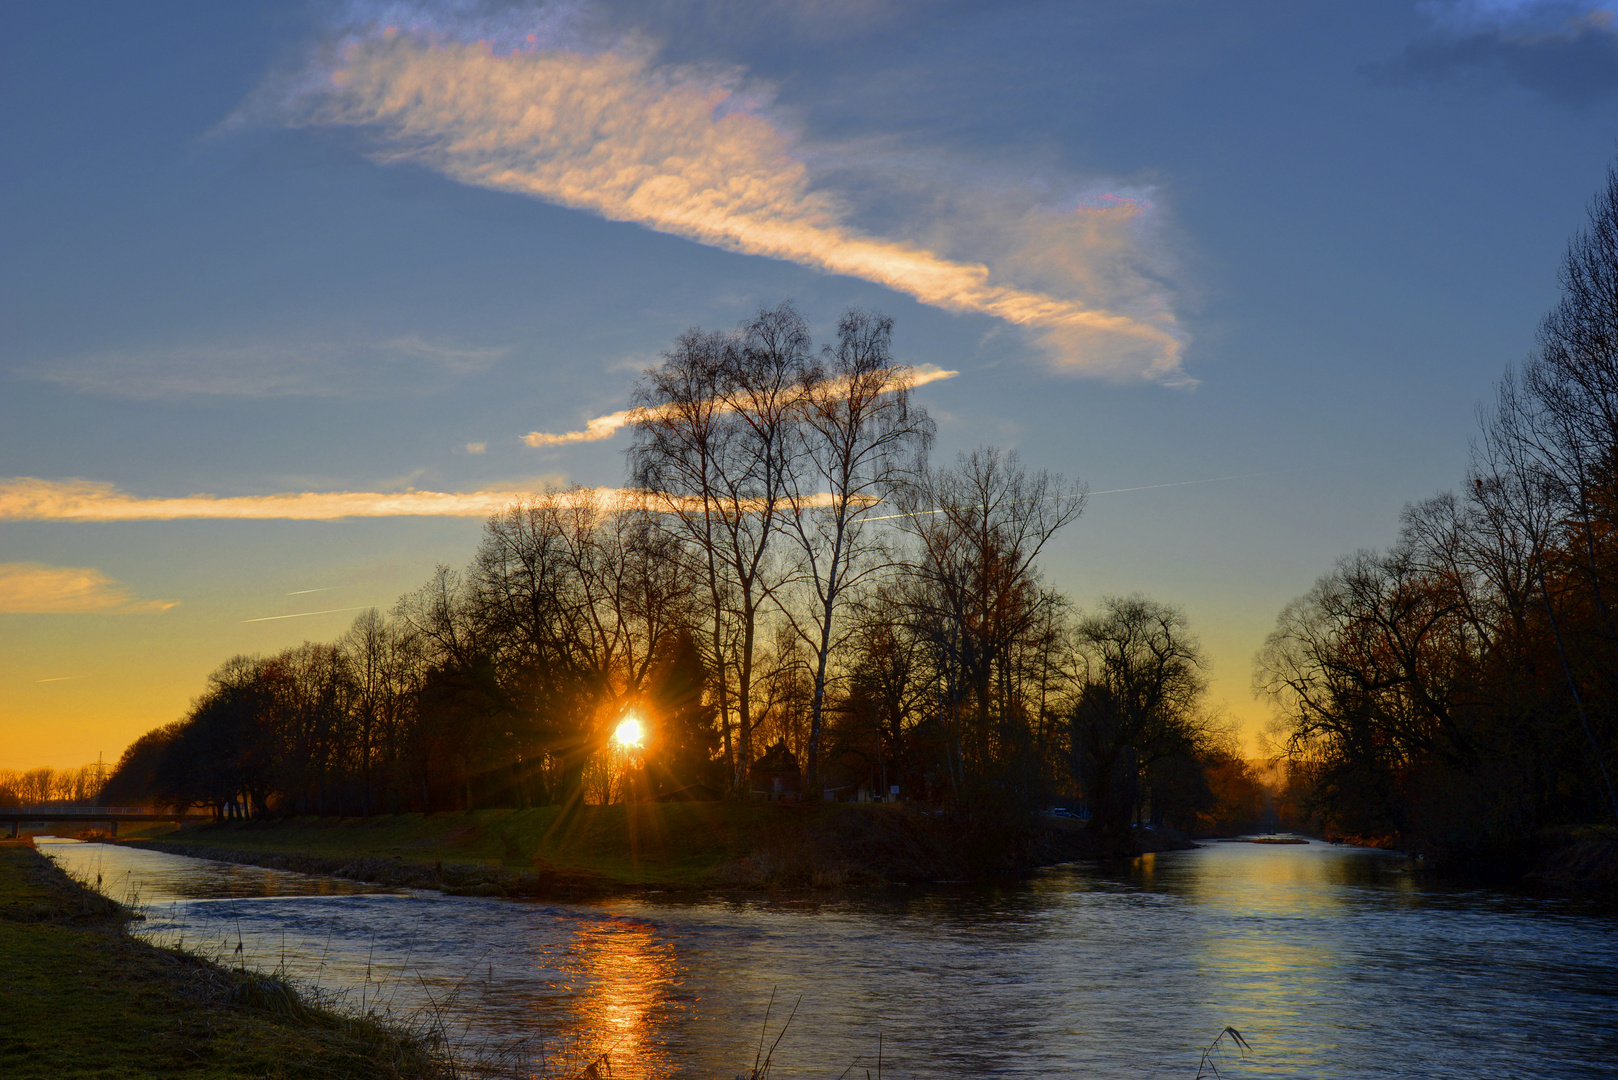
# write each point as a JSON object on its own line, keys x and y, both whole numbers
{"x": 629, "y": 732}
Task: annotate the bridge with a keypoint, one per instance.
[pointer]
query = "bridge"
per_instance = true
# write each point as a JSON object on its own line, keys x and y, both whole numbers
{"x": 17, "y": 816}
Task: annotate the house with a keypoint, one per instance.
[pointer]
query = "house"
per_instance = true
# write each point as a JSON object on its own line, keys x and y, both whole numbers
{"x": 775, "y": 777}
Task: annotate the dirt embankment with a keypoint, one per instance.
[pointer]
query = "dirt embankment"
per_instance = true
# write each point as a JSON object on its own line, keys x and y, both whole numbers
{"x": 1587, "y": 867}
{"x": 1579, "y": 860}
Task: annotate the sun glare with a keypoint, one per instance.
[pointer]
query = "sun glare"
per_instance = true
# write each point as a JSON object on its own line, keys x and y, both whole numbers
{"x": 629, "y": 732}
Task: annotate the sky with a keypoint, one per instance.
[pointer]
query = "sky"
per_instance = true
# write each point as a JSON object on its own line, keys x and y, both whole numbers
{"x": 293, "y": 295}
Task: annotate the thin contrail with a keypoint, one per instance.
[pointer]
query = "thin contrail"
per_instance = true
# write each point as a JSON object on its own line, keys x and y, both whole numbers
{"x": 301, "y": 614}
{"x": 59, "y": 678}
{"x": 1209, "y": 480}
{"x": 324, "y": 588}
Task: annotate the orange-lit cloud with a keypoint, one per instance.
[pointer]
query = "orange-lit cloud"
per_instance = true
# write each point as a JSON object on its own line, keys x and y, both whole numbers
{"x": 30, "y": 499}
{"x": 28, "y": 588}
{"x": 604, "y": 427}
{"x": 694, "y": 152}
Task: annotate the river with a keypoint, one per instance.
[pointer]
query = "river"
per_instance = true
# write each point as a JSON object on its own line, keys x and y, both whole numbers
{"x": 1333, "y": 962}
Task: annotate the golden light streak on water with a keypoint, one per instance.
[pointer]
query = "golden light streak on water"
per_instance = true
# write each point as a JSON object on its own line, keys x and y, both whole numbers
{"x": 627, "y": 972}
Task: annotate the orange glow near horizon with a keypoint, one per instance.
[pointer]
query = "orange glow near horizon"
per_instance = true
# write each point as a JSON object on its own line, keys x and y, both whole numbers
{"x": 629, "y": 732}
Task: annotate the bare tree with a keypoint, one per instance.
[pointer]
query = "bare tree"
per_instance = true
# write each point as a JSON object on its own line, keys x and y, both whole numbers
{"x": 717, "y": 447}
{"x": 682, "y": 447}
{"x": 980, "y": 527}
{"x": 864, "y": 439}
{"x": 1574, "y": 380}
{"x": 366, "y": 647}
{"x": 573, "y": 599}
{"x": 34, "y": 787}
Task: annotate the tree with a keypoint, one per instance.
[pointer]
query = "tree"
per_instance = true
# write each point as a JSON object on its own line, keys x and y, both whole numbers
{"x": 974, "y": 593}
{"x": 717, "y": 449}
{"x": 887, "y": 684}
{"x": 682, "y": 441}
{"x": 681, "y": 748}
{"x": 1138, "y": 706}
{"x": 864, "y": 440}
{"x": 572, "y": 600}
{"x": 1566, "y": 436}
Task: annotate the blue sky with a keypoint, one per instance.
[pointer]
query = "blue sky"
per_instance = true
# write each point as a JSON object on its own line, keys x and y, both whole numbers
{"x": 269, "y": 250}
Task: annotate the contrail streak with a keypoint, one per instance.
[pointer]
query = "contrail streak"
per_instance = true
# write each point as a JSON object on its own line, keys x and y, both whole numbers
{"x": 301, "y": 614}
{"x": 301, "y": 592}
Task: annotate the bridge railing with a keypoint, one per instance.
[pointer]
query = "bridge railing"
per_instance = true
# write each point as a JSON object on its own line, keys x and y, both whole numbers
{"x": 97, "y": 811}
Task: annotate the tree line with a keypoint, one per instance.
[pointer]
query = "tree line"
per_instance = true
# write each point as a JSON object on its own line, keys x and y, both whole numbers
{"x": 786, "y": 571}
{"x": 36, "y": 787}
{"x": 1459, "y": 691}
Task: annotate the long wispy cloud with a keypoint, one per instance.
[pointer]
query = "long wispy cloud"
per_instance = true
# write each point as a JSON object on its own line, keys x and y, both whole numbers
{"x": 264, "y": 369}
{"x": 527, "y": 103}
{"x": 29, "y": 588}
{"x": 604, "y": 427}
{"x": 31, "y": 499}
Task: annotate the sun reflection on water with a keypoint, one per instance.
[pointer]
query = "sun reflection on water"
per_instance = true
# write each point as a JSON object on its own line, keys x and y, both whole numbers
{"x": 625, "y": 973}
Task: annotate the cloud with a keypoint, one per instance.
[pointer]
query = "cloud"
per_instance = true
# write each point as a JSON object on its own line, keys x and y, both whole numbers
{"x": 1516, "y": 16}
{"x": 476, "y": 447}
{"x": 602, "y": 427}
{"x": 605, "y": 427}
{"x": 263, "y": 369}
{"x": 1566, "y": 52}
{"x": 563, "y": 114}
{"x": 29, "y": 499}
{"x": 28, "y": 588}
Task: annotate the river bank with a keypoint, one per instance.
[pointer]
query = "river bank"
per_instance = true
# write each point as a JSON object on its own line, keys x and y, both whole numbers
{"x": 668, "y": 847}
{"x": 1577, "y": 861}
{"x": 84, "y": 998}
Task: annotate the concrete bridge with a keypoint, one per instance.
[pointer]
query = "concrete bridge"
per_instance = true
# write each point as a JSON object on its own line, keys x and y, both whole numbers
{"x": 17, "y": 816}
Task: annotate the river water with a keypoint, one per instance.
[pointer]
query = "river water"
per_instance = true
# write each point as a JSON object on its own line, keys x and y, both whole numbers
{"x": 1333, "y": 962}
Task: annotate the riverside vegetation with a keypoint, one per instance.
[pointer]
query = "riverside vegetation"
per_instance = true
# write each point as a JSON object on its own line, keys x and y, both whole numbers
{"x": 546, "y": 851}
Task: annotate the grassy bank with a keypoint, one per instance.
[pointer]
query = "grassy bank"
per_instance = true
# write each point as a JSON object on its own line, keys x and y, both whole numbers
{"x": 544, "y": 851}
{"x": 84, "y": 999}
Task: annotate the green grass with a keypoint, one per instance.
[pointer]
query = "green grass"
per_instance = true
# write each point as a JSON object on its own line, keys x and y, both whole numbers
{"x": 81, "y": 998}
{"x": 679, "y": 845}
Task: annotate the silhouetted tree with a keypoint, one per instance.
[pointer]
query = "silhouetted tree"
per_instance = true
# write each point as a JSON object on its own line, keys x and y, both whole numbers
{"x": 974, "y": 595}
{"x": 1138, "y": 708}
